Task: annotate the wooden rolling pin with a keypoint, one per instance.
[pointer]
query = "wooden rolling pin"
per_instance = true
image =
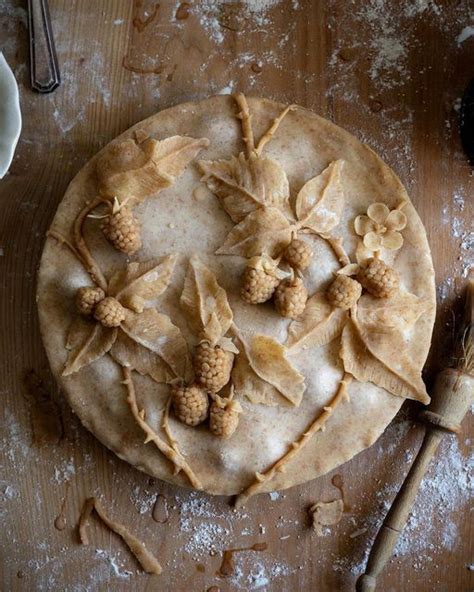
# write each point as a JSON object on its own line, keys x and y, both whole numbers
{"x": 452, "y": 396}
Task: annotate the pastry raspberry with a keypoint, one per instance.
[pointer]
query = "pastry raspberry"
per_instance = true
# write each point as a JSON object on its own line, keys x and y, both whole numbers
{"x": 291, "y": 297}
{"x": 87, "y": 298}
{"x": 122, "y": 230}
{"x": 259, "y": 280}
{"x": 109, "y": 312}
{"x": 298, "y": 254}
{"x": 190, "y": 404}
{"x": 212, "y": 366}
{"x": 378, "y": 278}
{"x": 344, "y": 292}
{"x": 224, "y": 417}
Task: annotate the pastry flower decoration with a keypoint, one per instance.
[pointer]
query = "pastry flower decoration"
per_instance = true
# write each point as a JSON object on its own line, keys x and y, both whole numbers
{"x": 380, "y": 227}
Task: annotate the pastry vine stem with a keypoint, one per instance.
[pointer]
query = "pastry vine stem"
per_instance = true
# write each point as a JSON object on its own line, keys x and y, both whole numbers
{"x": 81, "y": 246}
{"x": 334, "y": 242}
{"x": 247, "y": 132}
{"x": 146, "y": 559}
{"x": 338, "y": 249}
{"x": 317, "y": 424}
{"x": 268, "y": 135}
{"x": 64, "y": 241}
{"x": 151, "y": 436}
{"x": 166, "y": 428}
{"x": 246, "y": 119}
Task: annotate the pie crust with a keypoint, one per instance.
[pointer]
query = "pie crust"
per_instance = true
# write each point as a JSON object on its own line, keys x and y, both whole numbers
{"x": 217, "y": 185}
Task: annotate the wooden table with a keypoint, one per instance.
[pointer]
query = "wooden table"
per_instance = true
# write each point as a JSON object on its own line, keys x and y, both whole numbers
{"x": 391, "y": 73}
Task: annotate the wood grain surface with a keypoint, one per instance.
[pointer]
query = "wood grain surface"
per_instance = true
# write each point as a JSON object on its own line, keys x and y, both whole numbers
{"x": 389, "y": 72}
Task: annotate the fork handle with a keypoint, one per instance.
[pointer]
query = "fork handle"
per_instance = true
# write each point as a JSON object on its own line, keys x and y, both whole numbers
{"x": 44, "y": 69}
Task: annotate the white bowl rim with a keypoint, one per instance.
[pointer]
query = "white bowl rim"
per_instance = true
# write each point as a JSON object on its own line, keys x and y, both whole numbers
{"x": 10, "y": 115}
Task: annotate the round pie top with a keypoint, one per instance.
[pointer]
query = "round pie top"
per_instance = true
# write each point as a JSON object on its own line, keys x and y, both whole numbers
{"x": 175, "y": 226}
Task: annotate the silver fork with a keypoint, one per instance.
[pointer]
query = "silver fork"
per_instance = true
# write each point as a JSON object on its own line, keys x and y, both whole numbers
{"x": 44, "y": 69}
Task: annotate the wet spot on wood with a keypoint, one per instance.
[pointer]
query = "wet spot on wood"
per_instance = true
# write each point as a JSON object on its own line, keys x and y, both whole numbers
{"x": 160, "y": 511}
{"x": 45, "y": 417}
{"x": 375, "y": 106}
{"x": 183, "y": 11}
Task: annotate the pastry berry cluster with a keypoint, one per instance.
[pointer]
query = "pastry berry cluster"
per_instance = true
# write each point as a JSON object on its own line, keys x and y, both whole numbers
{"x": 212, "y": 366}
{"x": 344, "y": 292}
{"x": 290, "y": 298}
{"x": 378, "y": 278}
{"x": 375, "y": 276}
{"x": 122, "y": 229}
{"x": 87, "y": 299}
{"x": 105, "y": 309}
{"x": 195, "y": 403}
{"x": 298, "y": 254}
{"x": 262, "y": 279}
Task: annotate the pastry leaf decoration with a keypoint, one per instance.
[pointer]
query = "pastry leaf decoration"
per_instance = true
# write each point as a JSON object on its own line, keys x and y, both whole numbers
{"x": 133, "y": 171}
{"x": 87, "y": 342}
{"x": 246, "y": 183}
{"x": 320, "y": 202}
{"x": 141, "y": 282}
{"x": 372, "y": 356}
{"x": 386, "y": 315}
{"x": 319, "y": 324}
{"x": 262, "y": 232}
{"x": 227, "y": 344}
{"x": 130, "y": 354}
{"x": 145, "y": 339}
{"x": 265, "y": 361}
{"x": 362, "y": 253}
{"x": 205, "y": 303}
{"x": 155, "y": 332}
{"x": 249, "y": 385}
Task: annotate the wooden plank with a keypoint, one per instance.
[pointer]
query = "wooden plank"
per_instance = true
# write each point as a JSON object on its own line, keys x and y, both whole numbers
{"x": 388, "y": 72}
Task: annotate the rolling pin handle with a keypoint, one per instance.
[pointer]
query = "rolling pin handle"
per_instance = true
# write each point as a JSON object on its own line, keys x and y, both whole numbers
{"x": 366, "y": 583}
{"x": 440, "y": 422}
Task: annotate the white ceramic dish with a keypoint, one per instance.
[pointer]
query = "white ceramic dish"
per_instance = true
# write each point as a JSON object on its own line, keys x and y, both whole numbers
{"x": 10, "y": 115}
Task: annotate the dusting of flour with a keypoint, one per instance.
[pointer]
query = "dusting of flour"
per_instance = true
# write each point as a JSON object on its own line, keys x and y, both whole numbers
{"x": 204, "y": 526}
{"x": 446, "y": 490}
